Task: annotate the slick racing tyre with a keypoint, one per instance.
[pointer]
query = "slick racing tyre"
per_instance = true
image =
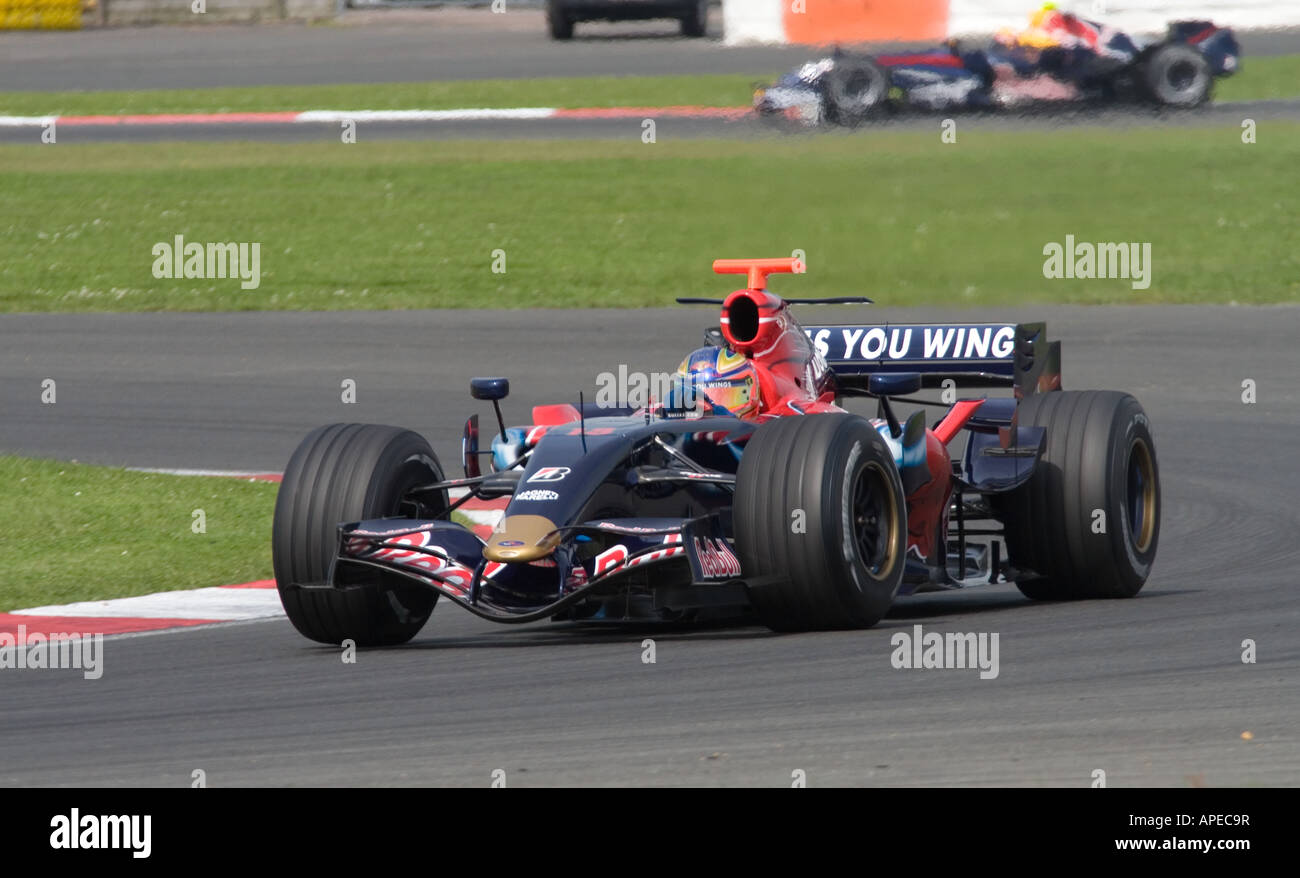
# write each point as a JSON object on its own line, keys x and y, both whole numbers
{"x": 696, "y": 20}
{"x": 342, "y": 473}
{"x": 558, "y": 21}
{"x": 1177, "y": 75}
{"x": 1088, "y": 521}
{"x": 853, "y": 90}
{"x": 820, "y": 523}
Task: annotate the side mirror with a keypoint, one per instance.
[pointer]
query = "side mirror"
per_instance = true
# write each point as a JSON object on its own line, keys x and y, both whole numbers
{"x": 489, "y": 388}
{"x": 897, "y": 384}
{"x": 469, "y": 448}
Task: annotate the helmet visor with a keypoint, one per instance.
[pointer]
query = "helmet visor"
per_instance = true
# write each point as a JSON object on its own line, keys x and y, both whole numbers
{"x": 734, "y": 396}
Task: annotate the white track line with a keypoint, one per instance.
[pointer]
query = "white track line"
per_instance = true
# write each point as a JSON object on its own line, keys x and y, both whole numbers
{"x": 488, "y": 517}
{"x": 24, "y": 121}
{"x": 308, "y": 116}
{"x": 423, "y": 115}
{"x": 205, "y": 627}
{"x": 236, "y": 474}
{"x": 216, "y": 604}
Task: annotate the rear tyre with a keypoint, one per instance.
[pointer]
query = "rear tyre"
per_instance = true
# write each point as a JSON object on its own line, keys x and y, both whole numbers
{"x": 854, "y": 89}
{"x": 558, "y": 21}
{"x": 341, "y": 473}
{"x": 821, "y": 522}
{"x": 695, "y": 23}
{"x": 1088, "y": 521}
{"x": 1177, "y": 75}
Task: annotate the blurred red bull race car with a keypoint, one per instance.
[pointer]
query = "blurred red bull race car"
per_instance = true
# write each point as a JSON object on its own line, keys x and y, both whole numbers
{"x": 747, "y": 489}
{"x": 1060, "y": 58}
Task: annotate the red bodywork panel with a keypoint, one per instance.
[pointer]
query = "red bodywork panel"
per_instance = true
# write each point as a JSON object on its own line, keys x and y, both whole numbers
{"x": 956, "y": 418}
{"x": 560, "y": 413}
{"x": 927, "y": 506}
{"x": 794, "y": 380}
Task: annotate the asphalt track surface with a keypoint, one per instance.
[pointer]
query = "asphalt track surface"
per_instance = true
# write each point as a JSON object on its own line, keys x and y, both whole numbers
{"x": 1152, "y": 690}
{"x": 395, "y": 46}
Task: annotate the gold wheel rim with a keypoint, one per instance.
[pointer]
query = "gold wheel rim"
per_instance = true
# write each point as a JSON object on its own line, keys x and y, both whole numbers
{"x": 1141, "y": 462}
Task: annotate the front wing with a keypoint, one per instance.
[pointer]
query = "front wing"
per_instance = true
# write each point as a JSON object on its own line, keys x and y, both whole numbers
{"x": 591, "y": 558}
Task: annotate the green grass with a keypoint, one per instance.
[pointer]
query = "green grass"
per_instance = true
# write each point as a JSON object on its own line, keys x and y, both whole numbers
{"x": 588, "y": 91}
{"x": 74, "y": 532}
{"x": 897, "y": 215}
{"x": 1267, "y": 77}
{"x": 1275, "y": 76}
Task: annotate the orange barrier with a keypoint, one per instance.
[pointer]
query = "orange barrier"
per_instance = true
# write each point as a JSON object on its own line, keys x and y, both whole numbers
{"x": 826, "y": 22}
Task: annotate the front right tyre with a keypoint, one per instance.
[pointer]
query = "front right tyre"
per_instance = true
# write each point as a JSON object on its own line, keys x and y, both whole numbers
{"x": 1177, "y": 75}
{"x": 854, "y": 90}
{"x": 820, "y": 523}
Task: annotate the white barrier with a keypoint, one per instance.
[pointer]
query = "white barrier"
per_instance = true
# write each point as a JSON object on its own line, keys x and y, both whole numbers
{"x": 752, "y": 21}
{"x": 970, "y": 17}
{"x": 814, "y": 22}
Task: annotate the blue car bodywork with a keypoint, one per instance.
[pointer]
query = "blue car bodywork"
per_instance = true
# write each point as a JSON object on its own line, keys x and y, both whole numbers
{"x": 846, "y": 87}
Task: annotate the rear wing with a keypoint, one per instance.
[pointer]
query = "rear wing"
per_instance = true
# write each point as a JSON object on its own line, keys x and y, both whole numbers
{"x": 1014, "y": 355}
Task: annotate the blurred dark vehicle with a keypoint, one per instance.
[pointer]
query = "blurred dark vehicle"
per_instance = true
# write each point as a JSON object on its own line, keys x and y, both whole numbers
{"x": 561, "y": 15}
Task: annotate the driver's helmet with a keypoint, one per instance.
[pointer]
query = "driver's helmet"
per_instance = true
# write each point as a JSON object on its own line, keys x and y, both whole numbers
{"x": 1042, "y": 33}
{"x": 723, "y": 377}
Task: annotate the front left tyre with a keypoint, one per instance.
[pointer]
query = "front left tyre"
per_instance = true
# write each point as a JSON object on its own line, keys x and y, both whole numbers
{"x": 342, "y": 473}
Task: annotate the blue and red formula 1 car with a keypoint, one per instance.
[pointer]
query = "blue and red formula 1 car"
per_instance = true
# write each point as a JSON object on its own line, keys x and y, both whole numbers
{"x": 747, "y": 488}
{"x": 1059, "y": 58}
